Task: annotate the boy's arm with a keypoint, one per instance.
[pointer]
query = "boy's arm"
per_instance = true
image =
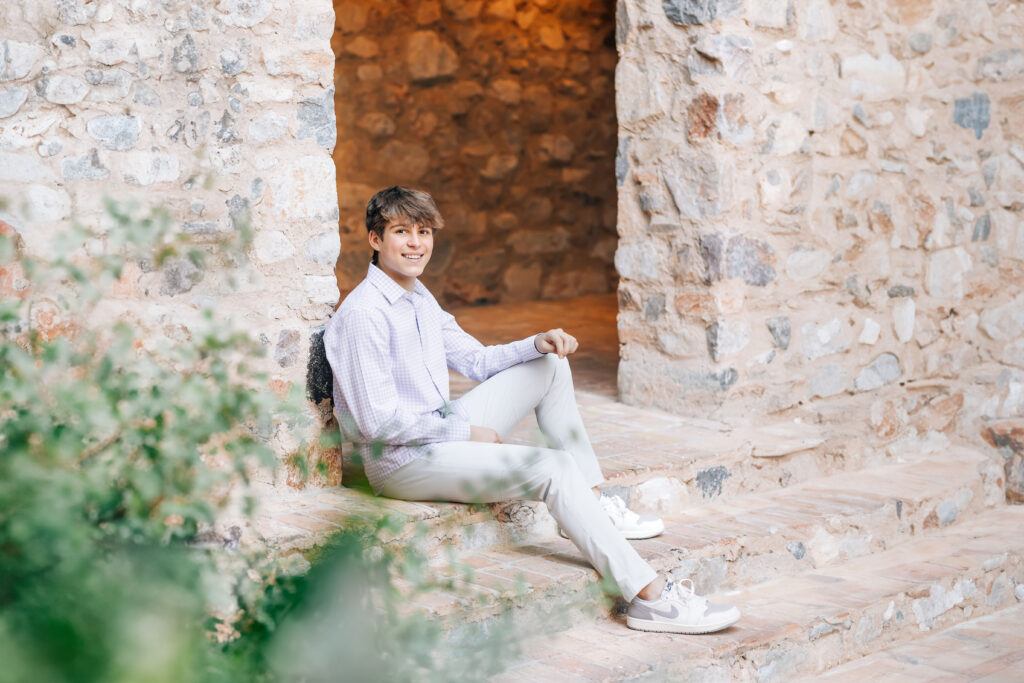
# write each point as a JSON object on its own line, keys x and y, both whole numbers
{"x": 358, "y": 350}
{"x": 469, "y": 357}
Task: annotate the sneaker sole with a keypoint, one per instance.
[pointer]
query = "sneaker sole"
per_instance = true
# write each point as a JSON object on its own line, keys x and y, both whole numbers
{"x": 668, "y": 627}
{"x": 629, "y": 536}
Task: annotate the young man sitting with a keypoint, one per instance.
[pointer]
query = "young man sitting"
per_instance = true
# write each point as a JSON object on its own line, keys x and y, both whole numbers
{"x": 390, "y": 346}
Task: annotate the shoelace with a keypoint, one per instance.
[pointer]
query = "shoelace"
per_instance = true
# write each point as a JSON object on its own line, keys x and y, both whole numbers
{"x": 684, "y": 591}
{"x": 614, "y": 505}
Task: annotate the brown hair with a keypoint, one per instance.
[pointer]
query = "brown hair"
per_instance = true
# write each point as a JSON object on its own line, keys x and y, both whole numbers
{"x": 397, "y": 201}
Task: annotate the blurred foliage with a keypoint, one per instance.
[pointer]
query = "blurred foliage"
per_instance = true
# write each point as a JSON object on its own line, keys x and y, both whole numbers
{"x": 117, "y": 454}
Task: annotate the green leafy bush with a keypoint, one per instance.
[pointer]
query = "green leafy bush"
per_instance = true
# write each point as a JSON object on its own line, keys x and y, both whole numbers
{"x": 116, "y": 457}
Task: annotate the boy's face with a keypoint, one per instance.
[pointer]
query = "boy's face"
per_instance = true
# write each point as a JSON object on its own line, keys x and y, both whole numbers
{"x": 403, "y": 251}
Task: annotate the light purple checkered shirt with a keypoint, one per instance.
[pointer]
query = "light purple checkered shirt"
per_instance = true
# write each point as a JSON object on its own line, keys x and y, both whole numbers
{"x": 390, "y": 350}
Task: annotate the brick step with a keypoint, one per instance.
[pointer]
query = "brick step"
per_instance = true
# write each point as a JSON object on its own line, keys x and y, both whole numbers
{"x": 988, "y": 648}
{"x": 750, "y": 540}
{"x": 811, "y": 622}
{"x": 658, "y": 463}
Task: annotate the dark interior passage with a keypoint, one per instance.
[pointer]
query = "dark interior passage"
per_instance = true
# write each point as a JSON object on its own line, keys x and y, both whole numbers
{"x": 504, "y": 111}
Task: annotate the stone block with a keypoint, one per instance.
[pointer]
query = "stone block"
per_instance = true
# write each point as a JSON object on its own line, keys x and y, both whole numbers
{"x": 806, "y": 262}
{"x": 76, "y": 12}
{"x": 316, "y": 119}
{"x": 11, "y": 101}
{"x": 244, "y": 13}
{"x": 1002, "y": 65}
{"x": 690, "y": 12}
{"x": 321, "y": 289}
{"x": 324, "y": 248}
{"x": 18, "y": 60}
{"x": 272, "y": 246}
{"x": 903, "y": 319}
{"x": 287, "y": 350}
{"x": 85, "y": 167}
{"x": 180, "y": 275}
{"x": 428, "y": 56}
{"x": 148, "y": 168}
{"x": 945, "y": 271}
{"x": 737, "y": 256}
{"x": 779, "y": 327}
{"x": 725, "y": 338}
{"x": 1005, "y": 322}
{"x": 770, "y": 13}
{"x": 268, "y": 126}
{"x": 682, "y": 342}
{"x": 717, "y": 54}
{"x": 972, "y": 113}
{"x": 825, "y": 339}
{"x": 709, "y": 481}
{"x": 22, "y": 168}
{"x": 304, "y": 188}
{"x": 817, "y": 22}
{"x": 44, "y": 204}
{"x": 883, "y": 370}
{"x": 641, "y": 262}
{"x": 874, "y": 78}
{"x": 869, "y": 334}
{"x": 115, "y": 131}
{"x": 62, "y": 89}
{"x": 112, "y": 85}
{"x": 939, "y": 601}
{"x": 1013, "y": 353}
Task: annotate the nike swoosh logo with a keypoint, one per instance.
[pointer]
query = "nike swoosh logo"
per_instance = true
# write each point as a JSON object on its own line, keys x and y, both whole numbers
{"x": 674, "y": 614}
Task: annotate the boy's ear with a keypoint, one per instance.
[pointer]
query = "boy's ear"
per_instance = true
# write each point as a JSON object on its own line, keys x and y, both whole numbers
{"x": 374, "y": 239}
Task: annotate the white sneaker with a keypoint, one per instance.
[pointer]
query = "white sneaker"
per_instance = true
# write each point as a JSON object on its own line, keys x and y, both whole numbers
{"x": 680, "y": 610}
{"x": 631, "y": 525}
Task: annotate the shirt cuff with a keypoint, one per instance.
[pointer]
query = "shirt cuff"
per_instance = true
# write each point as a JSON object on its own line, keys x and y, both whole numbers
{"x": 526, "y": 349}
{"x": 456, "y": 428}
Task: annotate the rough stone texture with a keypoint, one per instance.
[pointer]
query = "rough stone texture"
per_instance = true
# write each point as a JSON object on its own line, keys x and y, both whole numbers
{"x": 184, "y": 106}
{"x": 849, "y": 174}
{"x": 504, "y": 111}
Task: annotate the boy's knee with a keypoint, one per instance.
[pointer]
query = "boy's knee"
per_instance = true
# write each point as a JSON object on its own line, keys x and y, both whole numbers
{"x": 553, "y": 365}
{"x": 557, "y": 465}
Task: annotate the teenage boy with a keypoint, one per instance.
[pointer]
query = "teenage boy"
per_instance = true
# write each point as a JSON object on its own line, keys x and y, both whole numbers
{"x": 390, "y": 346}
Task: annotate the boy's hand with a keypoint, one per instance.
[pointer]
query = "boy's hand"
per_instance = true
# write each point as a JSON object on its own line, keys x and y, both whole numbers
{"x": 483, "y": 434}
{"x": 556, "y": 341}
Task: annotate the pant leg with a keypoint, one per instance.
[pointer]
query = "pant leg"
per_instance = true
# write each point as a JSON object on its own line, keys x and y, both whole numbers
{"x": 545, "y": 386}
{"x": 470, "y": 472}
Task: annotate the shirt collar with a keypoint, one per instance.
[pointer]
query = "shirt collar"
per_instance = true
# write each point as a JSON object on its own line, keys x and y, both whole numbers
{"x": 391, "y": 290}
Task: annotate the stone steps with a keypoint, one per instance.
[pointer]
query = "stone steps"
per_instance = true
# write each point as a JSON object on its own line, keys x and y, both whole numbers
{"x": 657, "y": 462}
{"x": 985, "y": 649}
{"x": 812, "y": 621}
{"x": 742, "y": 542}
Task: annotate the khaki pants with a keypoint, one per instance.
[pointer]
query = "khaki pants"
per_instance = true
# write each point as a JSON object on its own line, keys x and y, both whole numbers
{"x": 561, "y": 476}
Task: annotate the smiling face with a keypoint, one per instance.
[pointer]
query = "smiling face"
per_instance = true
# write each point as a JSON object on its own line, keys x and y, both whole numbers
{"x": 403, "y": 250}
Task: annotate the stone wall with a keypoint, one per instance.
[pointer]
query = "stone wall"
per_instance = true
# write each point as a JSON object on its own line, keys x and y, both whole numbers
{"x": 820, "y": 200}
{"x": 504, "y": 111}
{"x": 220, "y": 111}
